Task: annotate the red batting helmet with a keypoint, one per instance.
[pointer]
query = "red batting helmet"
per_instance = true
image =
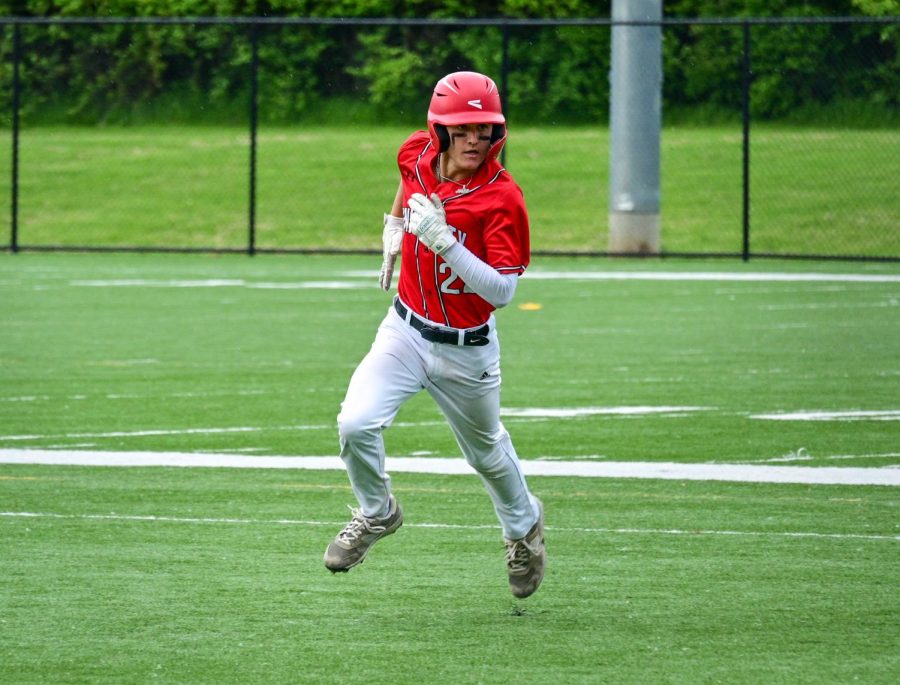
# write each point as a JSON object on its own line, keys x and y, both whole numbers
{"x": 465, "y": 97}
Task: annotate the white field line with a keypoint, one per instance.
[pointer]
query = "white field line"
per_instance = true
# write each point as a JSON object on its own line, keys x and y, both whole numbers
{"x": 512, "y": 412}
{"x": 803, "y": 456}
{"x": 516, "y": 414}
{"x": 743, "y": 473}
{"x": 710, "y": 276}
{"x": 131, "y": 396}
{"x": 574, "y": 412}
{"x": 154, "y": 433}
{"x": 856, "y": 415}
{"x": 892, "y": 302}
{"x": 443, "y": 526}
{"x": 201, "y": 431}
{"x": 713, "y": 276}
{"x": 216, "y": 283}
{"x": 755, "y": 277}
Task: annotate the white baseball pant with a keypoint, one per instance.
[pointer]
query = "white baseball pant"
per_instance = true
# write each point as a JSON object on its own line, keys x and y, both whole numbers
{"x": 465, "y": 383}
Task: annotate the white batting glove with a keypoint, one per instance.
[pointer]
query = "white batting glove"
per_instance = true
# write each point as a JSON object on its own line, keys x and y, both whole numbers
{"x": 429, "y": 222}
{"x": 391, "y": 239}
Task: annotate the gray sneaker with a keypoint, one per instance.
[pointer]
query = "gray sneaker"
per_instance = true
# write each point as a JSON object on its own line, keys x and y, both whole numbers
{"x": 352, "y": 544}
{"x": 526, "y": 558}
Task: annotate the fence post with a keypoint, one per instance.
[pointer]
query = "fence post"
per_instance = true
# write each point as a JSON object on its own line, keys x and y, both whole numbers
{"x": 16, "y": 92}
{"x": 254, "y": 69}
{"x": 745, "y": 106}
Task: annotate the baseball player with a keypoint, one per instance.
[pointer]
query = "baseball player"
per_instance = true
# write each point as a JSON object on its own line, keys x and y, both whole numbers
{"x": 460, "y": 224}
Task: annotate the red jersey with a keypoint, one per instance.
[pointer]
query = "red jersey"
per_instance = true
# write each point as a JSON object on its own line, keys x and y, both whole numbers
{"x": 489, "y": 219}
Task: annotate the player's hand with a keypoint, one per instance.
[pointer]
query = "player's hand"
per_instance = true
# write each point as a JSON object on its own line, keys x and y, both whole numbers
{"x": 428, "y": 221}
{"x": 391, "y": 239}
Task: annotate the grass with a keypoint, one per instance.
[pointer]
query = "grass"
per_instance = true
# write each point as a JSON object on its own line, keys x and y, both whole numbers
{"x": 129, "y": 600}
{"x": 275, "y": 356}
{"x": 815, "y": 202}
{"x": 649, "y": 581}
{"x": 814, "y": 191}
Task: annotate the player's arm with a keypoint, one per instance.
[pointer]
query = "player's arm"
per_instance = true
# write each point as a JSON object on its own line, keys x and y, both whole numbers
{"x": 397, "y": 207}
{"x": 391, "y": 238}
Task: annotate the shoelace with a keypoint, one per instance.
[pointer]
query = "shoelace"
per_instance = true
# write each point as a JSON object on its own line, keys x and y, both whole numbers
{"x": 358, "y": 526}
{"x": 518, "y": 554}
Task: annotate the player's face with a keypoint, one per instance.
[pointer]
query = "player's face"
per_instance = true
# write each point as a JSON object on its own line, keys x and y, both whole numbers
{"x": 469, "y": 145}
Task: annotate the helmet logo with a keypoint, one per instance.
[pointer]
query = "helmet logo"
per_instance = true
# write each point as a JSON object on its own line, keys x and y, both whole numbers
{"x": 475, "y": 103}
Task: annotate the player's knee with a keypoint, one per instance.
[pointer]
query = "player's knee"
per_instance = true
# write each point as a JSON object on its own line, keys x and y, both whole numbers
{"x": 490, "y": 458}
{"x": 355, "y": 427}
{"x": 489, "y": 465}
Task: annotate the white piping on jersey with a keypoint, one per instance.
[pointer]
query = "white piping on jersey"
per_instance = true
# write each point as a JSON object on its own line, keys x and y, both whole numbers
{"x": 512, "y": 269}
{"x": 486, "y": 183}
{"x": 418, "y": 266}
{"x": 419, "y": 159}
{"x": 437, "y": 289}
{"x": 421, "y": 285}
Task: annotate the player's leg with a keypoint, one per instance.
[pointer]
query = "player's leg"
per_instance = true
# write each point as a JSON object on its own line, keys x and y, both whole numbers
{"x": 381, "y": 383}
{"x": 386, "y": 377}
{"x": 472, "y": 409}
{"x": 470, "y": 399}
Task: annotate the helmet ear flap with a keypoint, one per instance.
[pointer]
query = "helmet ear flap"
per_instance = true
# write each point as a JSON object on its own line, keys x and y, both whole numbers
{"x": 443, "y": 137}
{"x": 497, "y": 133}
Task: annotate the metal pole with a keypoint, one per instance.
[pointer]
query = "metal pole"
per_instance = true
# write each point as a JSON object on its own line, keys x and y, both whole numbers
{"x": 16, "y": 93}
{"x": 745, "y": 104}
{"x": 254, "y": 71}
{"x": 635, "y": 119}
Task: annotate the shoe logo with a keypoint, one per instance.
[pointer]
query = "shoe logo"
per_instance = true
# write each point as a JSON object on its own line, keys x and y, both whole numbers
{"x": 475, "y": 103}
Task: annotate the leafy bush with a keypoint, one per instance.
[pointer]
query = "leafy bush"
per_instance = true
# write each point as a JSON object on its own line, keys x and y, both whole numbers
{"x": 115, "y": 72}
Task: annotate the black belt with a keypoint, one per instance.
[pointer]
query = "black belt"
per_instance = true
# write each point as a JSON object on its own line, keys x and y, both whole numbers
{"x": 444, "y": 336}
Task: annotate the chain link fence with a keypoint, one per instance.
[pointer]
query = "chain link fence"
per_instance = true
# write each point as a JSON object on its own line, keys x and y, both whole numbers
{"x": 254, "y": 135}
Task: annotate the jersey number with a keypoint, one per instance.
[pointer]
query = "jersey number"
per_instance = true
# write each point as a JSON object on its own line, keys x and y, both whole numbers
{"x": 444, "y": 268}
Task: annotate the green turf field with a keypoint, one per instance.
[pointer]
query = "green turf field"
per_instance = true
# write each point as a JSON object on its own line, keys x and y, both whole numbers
{"x": 170, "y": 575}
{"x": 643, "y": 584}
{"x": 814, "y": 191}
{"x": 124, "y": 344}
